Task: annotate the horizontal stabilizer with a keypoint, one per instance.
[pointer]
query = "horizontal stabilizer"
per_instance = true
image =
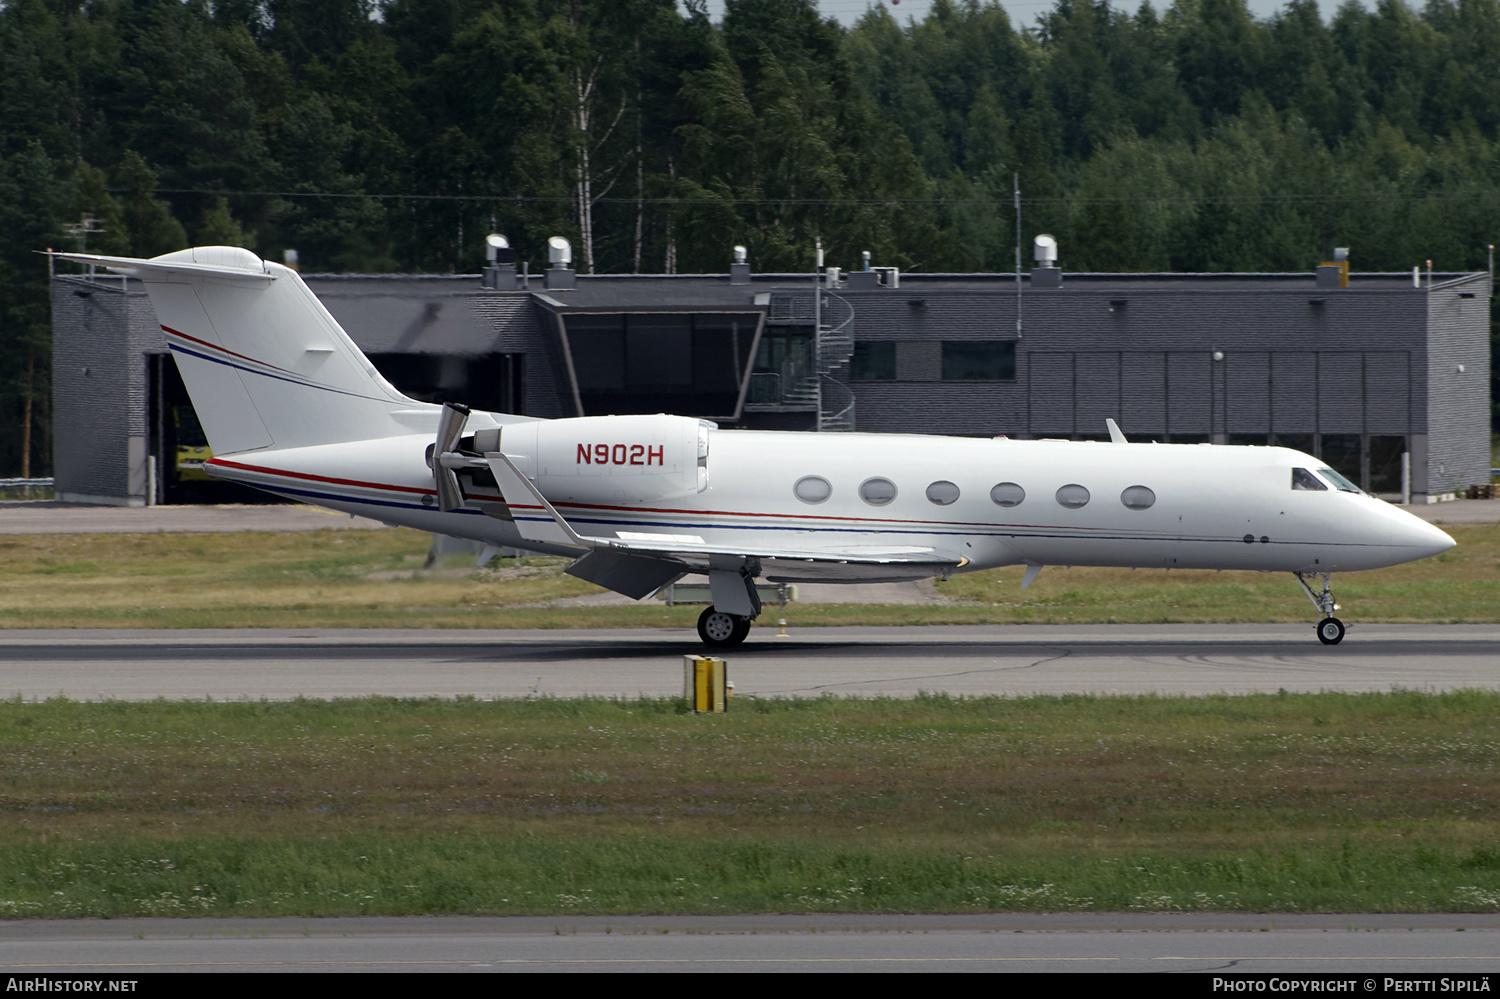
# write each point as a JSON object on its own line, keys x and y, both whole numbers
{"x": 221, "y": 262}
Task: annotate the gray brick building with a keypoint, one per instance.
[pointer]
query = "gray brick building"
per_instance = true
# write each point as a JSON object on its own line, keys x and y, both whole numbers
{"x": 1359, "y": 375}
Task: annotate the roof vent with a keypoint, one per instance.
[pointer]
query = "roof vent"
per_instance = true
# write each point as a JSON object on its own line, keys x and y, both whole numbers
{"x": 500, "y": 270}
{"x": 739, "y": 271}
{"x": 560, "y": 276}
{"x": 1046, "y": 273}
{"x": 1045, "y": 250}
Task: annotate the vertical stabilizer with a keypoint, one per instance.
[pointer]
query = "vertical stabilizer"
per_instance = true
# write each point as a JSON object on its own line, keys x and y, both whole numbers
{"x": 265, "y": 363}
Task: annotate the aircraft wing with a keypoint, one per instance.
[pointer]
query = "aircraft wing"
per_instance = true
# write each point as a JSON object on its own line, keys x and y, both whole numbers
{"x": 637, "y": 564}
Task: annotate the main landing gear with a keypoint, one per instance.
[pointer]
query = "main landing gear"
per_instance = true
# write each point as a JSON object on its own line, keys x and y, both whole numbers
{"x": 720, "y": 630}
{"x": 1330, "y": 628}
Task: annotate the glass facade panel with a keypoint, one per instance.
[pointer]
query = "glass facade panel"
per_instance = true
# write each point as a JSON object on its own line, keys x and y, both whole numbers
{"x": 979, "y": 360}
{"x": 1385, "y": 463}
{"x": 873, "y": 361}
{"x": 658, "y": 353}
{"x": 598, "y": 346}
{"x": 691, "y": 364}
{"x": 1297, "y": 442}
{"x": 1342, "y": 452}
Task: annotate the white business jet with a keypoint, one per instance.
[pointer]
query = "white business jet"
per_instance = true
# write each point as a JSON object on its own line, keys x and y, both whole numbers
{"x": 290, "y": 405}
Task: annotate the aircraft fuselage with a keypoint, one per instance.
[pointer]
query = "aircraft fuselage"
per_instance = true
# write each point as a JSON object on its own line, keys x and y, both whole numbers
{"x": 1065, "y": 502}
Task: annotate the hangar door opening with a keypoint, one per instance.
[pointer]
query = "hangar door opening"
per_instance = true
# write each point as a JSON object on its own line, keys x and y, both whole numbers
{"x": 486, "y": 381}
{"x": 178, "y": 445}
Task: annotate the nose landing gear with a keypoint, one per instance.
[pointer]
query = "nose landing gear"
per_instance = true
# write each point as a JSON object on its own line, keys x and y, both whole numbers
{"x": 1330, "y": 628}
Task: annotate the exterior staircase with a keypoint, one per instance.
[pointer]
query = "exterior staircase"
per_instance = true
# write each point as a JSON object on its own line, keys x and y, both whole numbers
{"x": 813, "y": 384}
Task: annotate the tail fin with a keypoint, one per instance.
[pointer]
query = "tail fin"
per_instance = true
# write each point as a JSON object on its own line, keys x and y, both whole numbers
{"x": 264, "y": 362}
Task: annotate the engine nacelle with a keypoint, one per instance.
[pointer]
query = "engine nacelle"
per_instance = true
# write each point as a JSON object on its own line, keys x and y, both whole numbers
{"x": 608, "y": 459}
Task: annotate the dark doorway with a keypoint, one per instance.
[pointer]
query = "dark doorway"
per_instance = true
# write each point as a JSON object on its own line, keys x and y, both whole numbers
{"x": 179, "y": 447}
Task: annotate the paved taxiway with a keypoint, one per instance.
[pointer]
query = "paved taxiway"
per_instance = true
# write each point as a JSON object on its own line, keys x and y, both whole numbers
{"x": 897, "y": 662}
{"x": 1352, "y": 946}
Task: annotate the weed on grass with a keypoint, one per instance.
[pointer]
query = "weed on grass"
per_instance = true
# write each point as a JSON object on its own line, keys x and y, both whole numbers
{"x": 1294, "y": 802}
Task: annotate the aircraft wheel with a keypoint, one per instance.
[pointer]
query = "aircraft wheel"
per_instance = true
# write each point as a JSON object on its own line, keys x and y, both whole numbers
{"x": 1330, "y": 631}
{"x": 720, "y": 630}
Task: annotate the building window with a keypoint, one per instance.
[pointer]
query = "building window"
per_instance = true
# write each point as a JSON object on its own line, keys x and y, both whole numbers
{"x": 873, "y": 361}
{"x": 979, "y": 361}
{"x": 688, "y": 363}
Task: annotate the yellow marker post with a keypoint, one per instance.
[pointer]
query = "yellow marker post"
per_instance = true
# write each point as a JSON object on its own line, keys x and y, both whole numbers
{"x": 705, "y": 684}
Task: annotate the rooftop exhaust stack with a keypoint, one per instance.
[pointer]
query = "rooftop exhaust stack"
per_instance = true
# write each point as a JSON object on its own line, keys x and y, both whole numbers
{"x": 739, "y": 271}
{"x": 500, "y": 274}
{"x": 560, "y": 276}
{"x": 1335, "y": 273}
{"x": 1046, "y": 273}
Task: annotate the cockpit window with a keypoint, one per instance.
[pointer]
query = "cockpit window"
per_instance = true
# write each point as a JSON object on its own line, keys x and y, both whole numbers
{"x": 1303, "y": 479}
{"x": 1343, "y": 484}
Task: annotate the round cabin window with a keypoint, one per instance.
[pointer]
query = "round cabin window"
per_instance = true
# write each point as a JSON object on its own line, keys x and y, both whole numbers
{"x": 942, "y": 493}
{"x": 812, "y": 489}
{"x": 1072, "y": 496}
{"x": 1137, "y": 498}
{"x": 1007, "y": 494}
{"x": 877, "y": 491}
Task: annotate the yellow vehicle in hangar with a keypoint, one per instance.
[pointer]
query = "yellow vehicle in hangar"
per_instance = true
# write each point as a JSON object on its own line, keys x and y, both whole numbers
{"x": 192, "y": 446}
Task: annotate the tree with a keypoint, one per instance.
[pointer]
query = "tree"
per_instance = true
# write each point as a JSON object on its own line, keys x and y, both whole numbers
{"x": 148, "y": 219}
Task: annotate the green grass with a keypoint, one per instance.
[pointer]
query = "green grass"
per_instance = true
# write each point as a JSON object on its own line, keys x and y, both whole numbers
{"x": 1292, "y": 802}
{"x": 372, "y": 579}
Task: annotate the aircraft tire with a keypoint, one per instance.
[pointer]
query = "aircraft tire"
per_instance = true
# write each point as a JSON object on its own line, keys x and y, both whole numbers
{"x": 1330, "y": 631}
{"x": 720, "y": 630}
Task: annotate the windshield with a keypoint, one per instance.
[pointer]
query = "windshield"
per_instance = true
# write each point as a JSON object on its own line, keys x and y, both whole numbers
{"x": 1342, "y": 484}
{"x": 1303, "y": 479}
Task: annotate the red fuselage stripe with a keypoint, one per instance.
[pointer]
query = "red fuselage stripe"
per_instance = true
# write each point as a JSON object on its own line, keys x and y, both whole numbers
{"x": 319, "y": 478}
{"x": 210, "y": 346}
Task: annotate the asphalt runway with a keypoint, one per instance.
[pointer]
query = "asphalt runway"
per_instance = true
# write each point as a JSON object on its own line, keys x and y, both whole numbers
{"x": 1362, "y": 950}
{"x": 894, "y": 662}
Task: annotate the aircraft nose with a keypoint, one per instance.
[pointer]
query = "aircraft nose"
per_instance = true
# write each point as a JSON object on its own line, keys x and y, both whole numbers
{"x": 1414, "y": 538}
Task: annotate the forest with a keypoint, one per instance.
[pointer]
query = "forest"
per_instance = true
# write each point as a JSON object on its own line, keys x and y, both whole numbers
{"x": 392, "y": 135}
